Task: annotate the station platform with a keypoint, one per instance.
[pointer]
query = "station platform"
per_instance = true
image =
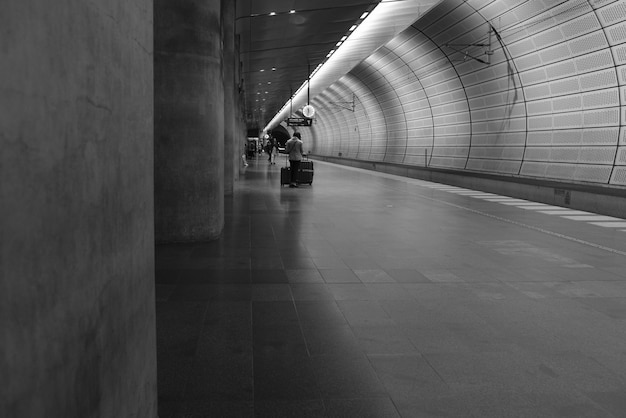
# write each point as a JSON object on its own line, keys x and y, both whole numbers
{"x": 372, "y": 295}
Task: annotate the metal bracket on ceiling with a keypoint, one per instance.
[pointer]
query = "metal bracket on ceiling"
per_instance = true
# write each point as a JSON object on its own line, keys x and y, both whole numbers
{"x": 346, "y": 105}
{"x": 465, "y": 49}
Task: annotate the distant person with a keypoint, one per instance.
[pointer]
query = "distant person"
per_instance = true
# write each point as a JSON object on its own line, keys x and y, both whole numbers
{"x": 268, "y": 148}
{"x": 243, "y": 156}
{"x": 274, "y": 152}
{"x": 294, "y": 149}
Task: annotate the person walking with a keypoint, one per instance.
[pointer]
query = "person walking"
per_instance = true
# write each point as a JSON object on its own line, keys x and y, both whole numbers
{"x": 274, "y": 152}
{"x": 294, "y": 149}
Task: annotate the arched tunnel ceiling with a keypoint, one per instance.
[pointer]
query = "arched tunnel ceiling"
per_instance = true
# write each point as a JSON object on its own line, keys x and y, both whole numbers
{"x": 543, "y": 99}
{"x": 278, "y": 51}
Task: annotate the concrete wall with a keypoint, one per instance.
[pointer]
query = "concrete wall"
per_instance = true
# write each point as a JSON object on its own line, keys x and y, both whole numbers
{"x": 77, "y": 317}
{"x": 546, "y": 101}
{"x": 188, "y": 120}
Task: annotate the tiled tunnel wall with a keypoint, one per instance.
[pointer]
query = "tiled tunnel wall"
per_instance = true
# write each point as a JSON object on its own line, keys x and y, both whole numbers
{"x": 550, "y": 103}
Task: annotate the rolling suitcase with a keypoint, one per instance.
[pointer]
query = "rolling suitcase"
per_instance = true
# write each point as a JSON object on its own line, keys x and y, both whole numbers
{"x": 285, "y": 175}
{"x": 305, "y": 174}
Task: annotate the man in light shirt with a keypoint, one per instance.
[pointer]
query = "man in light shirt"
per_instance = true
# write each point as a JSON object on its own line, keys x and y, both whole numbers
{"x": 294, "y": 149}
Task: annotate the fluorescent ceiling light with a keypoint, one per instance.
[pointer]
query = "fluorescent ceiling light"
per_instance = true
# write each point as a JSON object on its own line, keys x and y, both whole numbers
{"x": 384, "y": 22}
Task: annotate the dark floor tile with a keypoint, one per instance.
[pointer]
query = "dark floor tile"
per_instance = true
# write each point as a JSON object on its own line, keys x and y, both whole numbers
{"x": 339, "y": 275}
{"x": 350, "y": 291}
{"x": 291, "y": 262}
{"x": 407, "y": 376}
{"x": 271, "y": 292}
{"x": 319, "y": 314}
{"x": 374, "y": 276}
{"x": 329, "y": 262}
{"x": 343, "y": 377}
{"x": 205, "y": 276}
{"x": 179, "y": 325}
{"x": 276, "y": 335}
{"x": 311, "y": 292}
{"x": 213, "y": 408}
{"x": 266, "y": 263}
{"x": 221, "y": 375}
{"x": 407, "y": 276}
{"x": 173, "y": 373}
{"x": 235, "y": 292}
{"x": 220, "y": 263}
{"x": 383, "y": 340}
{"x": 553, "y": 402}
{"x": 289, "y": 409}
{"x": 360, "y": 263}
{"x": 273, "y": 313}
{"x": 167, "y": 275}
{"x": 444, "y": 404}
{"x": 364, "y": 313}
{"x": 361, "y": 408}
{"x": 164, "y": 291}
{"x": 388, "y": 291}
{"x": 268, "y": 276}
{"x": 284, "y": 378}
{"x": 333, "y": 340}
{"x": 304, "y": 276}
{"x": 168, "y": 409}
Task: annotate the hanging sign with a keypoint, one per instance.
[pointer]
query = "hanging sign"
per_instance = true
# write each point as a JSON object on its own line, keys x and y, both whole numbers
{"x": 298, "y": 122}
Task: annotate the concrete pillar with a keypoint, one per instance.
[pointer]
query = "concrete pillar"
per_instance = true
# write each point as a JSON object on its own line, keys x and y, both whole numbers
{"x": 230, "y": 86}
{"x": 189, "y": 120}
{"x": 77, "y": 315}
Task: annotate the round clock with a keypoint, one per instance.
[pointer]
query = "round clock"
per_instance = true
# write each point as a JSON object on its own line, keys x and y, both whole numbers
{"x": 308, "y": 111}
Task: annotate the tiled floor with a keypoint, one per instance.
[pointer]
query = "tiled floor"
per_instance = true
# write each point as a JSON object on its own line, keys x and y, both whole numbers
{"x": 368, "y": 295}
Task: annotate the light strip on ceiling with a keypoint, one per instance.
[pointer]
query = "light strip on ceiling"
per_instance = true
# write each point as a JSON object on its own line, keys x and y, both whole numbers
{"x": 384, "y": 22}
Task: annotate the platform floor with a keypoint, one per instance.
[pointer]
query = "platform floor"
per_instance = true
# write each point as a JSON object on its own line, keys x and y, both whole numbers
{"x": 370, "y": 295}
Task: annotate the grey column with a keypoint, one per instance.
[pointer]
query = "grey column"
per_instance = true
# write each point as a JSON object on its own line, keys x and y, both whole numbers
{"x": 228, "y": 33}
{"x": 189, "y": 120}
{"x": 77, "y": 314}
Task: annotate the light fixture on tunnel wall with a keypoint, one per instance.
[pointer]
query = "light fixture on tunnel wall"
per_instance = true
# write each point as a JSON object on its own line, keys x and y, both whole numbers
{"x": 465, "y": 49}
{"x": 347, "y": 105}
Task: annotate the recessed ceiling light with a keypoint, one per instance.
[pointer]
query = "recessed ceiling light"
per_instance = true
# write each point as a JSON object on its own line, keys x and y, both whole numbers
{"x": 273, "y": 68}
{"x": 292, "y": 11}
{"x": 272, "y": 13}
{"x": 269, "y": 82}
{"x": 262, "y": 70}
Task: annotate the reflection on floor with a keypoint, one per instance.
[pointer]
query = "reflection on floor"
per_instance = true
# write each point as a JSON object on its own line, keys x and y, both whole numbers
{"x": 369, "y": 295}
